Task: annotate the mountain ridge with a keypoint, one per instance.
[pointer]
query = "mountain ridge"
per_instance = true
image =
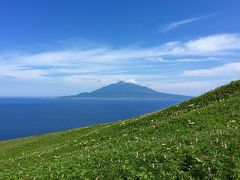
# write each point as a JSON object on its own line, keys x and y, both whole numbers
{"x": 122, "y": 90}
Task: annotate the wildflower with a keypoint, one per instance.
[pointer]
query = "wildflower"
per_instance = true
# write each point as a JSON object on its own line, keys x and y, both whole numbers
{"x": 198, "y": 160}
{"x": 222, "y": 144}
{"x": 209, "y": 170}
{"x": 153, "y": 166}
{"x": 191, "y": 123}
{"x": 232, "y": 121}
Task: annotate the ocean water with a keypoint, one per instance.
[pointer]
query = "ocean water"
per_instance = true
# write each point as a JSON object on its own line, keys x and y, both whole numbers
{"x": 20, "y": 117}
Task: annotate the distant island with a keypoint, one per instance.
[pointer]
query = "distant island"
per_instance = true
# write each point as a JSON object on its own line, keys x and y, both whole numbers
{"x": 125, "y": 90}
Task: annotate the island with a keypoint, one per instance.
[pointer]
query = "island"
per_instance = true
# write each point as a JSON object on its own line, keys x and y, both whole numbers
{"x": 125, "y": 90}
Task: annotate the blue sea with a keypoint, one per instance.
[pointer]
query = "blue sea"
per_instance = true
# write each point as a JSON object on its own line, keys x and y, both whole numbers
{"x": 21, "y": 117}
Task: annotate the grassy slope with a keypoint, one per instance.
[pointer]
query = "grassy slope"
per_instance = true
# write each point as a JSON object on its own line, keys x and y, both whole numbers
{"x": 198, "y": 138}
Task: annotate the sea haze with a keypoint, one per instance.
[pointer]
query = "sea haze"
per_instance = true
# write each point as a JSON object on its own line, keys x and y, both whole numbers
{"x": 20, "y": 117}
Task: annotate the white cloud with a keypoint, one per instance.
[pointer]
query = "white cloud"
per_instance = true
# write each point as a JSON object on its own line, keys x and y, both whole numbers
{"x": 224, "y": 70}
{"x": 22, "y": 73}
{"x": 115, "y": 64}
{"x": 187, "y": 87}
{"x": 176, "y": 24}
{"x": 214, "y": 43}
{"x": 130, "y": 81}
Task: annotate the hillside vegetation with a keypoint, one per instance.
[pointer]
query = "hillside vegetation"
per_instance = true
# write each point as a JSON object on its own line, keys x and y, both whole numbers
{"x": 197, "y": 139}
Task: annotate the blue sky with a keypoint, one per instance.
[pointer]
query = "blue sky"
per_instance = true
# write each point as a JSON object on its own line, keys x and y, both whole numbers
{"x": 60, "y": 47}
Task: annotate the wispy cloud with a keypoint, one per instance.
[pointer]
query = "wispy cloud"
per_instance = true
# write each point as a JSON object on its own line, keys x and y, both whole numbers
{"x": 188, "y": 87}
{"x": 224, "y": 70}
{"x": 176, "y": 24}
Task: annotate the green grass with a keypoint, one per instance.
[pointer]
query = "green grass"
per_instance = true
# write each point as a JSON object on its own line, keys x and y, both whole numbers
{"x": 198, "y": 139}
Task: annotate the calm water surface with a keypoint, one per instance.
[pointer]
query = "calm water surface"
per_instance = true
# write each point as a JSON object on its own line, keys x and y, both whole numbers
{"x": 20, "y": 117}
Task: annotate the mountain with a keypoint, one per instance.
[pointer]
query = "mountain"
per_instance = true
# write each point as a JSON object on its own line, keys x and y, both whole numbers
{"x": 197, "y": 139}
{"x": 127, "y": 90}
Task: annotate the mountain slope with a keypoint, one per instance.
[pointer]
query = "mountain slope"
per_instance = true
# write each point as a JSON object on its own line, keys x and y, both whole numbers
{"x": 127, "y": 90}
{"x": 196, "y": 139}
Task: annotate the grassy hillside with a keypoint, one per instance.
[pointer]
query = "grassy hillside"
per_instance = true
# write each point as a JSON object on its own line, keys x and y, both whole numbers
{"x": 196, "y": 139}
